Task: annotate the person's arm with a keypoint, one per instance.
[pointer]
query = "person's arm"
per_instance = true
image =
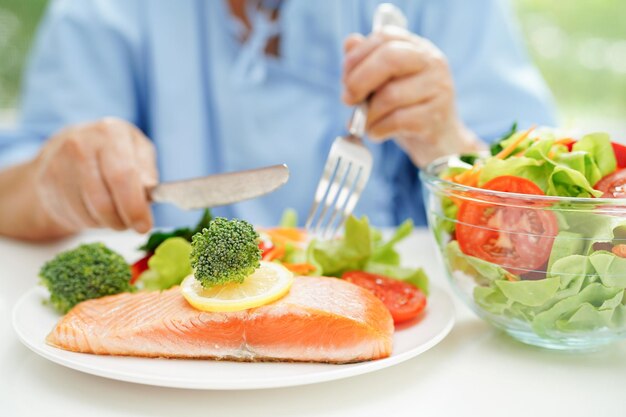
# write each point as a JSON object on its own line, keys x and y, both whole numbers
{"x": 92, "y": 175}
{"x": 21, "y": 214}
{"x": 92, "y": 169}
{"x": 464, "y": 77}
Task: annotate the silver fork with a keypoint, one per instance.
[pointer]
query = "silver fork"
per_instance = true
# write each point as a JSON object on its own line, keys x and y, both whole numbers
{"x": 349, "y": 162}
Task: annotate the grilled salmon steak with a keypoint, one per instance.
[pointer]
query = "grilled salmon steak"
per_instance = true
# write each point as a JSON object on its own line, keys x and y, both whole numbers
{"x": 319, "y": 320}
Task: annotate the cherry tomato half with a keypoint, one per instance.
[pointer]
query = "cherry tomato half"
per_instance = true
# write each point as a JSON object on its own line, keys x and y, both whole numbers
{"x": 138, "y": 267}
{"x": 620, "y": 154}
{"x": 404, "y": 301}
{"x": 517, "y": 238}
{"x": 613, "y": 185}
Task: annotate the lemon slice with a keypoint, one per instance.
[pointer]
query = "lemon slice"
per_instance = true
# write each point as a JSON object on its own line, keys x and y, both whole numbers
{"x": 268, "y": 283}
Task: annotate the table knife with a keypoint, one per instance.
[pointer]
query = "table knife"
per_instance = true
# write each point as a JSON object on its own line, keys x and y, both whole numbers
{"x": 220, "y": 189}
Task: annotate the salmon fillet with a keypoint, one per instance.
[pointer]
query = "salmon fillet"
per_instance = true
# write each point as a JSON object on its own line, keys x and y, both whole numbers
{"x": 319, "y": 320}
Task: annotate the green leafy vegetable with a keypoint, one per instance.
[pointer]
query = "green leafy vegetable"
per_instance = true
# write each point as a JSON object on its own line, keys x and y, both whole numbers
{"x": 567, "y": 182}
{"x": 497, "y": 146}
{"x": 470, "y": 158}
{"x": 598, "y": 146}
{"x": 529, "y": 168}
{"x": 610, "y": 268}
{"x": 226, "y": 251}
{"x": 289, "y": 218}
{"x": 86, "y": 272}
{"x": 169, "y": 265}
{"x": 529, "y": 293}
{"x": 552, "y": 167}
{"x": 558, "y": 316}
{"x": 483, "y": 271}
{"x": 362, "y": 249}
{"x": 580, "y": 292}
{"x": 565, "y": 244}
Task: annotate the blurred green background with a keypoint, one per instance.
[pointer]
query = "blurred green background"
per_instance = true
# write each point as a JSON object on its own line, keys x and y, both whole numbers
{"x": 579, "y": 46}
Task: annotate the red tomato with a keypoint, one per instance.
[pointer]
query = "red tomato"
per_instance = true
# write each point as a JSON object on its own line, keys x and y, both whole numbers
{"x": 404, "y": 301}
{"x": 517, "y": 238}
{"x": 265, "y": 246}
{"x": 138, "y": 267}
{"x": 613, "y": 185}
{"x": 620, "y": 154}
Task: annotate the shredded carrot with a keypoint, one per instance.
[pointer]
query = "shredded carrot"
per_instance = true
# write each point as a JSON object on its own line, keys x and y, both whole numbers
{"x": 300, "y": 269}
{"x": 564, "y": 141}
{"x": 469, "y": 177}
{"x": 511, "y": 146}
{"x": 286, "y": 235}
{"x": 277, "y": 252}
{"x": 511, "y": 277}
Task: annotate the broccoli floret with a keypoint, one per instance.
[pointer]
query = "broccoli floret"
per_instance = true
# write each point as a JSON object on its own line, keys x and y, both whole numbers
{"x": 86, "y": 272}
{"x": 227, "y": 251}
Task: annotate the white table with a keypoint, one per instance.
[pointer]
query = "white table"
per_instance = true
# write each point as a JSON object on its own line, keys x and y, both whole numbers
{"x": 475, "y": 371}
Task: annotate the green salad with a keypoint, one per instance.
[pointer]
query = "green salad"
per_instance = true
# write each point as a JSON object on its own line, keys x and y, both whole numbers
{"x": 558, "y": 265}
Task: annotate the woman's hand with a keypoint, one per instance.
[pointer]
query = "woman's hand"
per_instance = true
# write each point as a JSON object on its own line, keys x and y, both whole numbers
{"x": 410, "y": 91}
{"x": 95, "y": 175}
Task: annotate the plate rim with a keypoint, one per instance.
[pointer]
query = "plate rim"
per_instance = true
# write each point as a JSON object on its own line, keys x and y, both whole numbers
{"x": 241, "y": 384}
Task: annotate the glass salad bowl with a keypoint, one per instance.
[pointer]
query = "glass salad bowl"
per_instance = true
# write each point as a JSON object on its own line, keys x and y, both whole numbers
{"x": 546, "y": 270}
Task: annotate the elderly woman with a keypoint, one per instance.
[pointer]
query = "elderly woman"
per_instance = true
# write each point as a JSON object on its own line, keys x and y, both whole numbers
{"x": 120, "y": 93}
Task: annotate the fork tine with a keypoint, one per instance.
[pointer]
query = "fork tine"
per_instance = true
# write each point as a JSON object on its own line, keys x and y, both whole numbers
{"x": 323, "y": 187}
{"x": 342, "y": 201}
{"x": 353, "y": 198}
{"x": 334, "y": 192}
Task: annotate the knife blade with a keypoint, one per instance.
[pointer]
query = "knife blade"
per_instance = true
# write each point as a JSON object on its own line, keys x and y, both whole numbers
{"x": 220, "y": 189}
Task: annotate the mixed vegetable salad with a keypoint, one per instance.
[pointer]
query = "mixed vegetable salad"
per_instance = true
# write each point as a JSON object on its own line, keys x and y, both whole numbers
{"x": 219, "y": 253}
{"x": 360, "y": 256}
{"x": 545, "y": 262}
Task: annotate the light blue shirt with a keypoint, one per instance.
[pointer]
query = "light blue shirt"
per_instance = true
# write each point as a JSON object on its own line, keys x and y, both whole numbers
{"x": 210, "y": 104}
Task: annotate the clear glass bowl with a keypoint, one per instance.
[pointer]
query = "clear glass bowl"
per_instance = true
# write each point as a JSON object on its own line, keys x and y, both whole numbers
{"x": 540, "y": 268}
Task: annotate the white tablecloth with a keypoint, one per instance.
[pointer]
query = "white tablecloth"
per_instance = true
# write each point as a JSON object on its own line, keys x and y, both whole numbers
{"x": 476, "y": 370}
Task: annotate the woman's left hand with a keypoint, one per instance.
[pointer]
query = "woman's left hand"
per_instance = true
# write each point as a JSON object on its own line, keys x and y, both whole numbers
{"x": 411, "y": 94}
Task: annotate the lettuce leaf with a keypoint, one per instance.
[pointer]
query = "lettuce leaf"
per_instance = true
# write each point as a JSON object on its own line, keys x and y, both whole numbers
{"x": 579, "y": 293}
{"x": 553, "y": 168}
{"x": 598, "y": 146}
{"x": 567, "y": 182}
{"x": 529, "y": 293}
{"x": 529, "y": 168}
{"x": 610, "y": 268}
{"x": 566, "y": 243}
{"x": 362, "y": 249}
{"x": 594, "y": 295}
{"x": 289, "y": 218}
{"x": 168, "y": 266}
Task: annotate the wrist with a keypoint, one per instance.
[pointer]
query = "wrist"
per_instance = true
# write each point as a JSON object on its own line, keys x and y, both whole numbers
{"x": 468, "y": 141}
{"x": 23, "y": 213}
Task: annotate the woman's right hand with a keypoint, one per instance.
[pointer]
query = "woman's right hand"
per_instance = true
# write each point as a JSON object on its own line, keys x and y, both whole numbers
{"x": 96, "y": 175}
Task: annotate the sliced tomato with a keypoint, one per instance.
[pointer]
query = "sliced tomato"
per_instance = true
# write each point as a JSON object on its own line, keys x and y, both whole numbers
{"x": 138, "y": 267}
{"x": 620, "y": 154}
{"x": 517, "y": 237}
{"x": 613, "y": 185}
{"x": 404, "y": 301}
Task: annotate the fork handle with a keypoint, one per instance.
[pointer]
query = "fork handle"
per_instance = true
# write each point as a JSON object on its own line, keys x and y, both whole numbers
{"x": 386, "y": 15}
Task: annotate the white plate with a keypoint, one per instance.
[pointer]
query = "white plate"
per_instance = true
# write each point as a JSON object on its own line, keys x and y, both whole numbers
{"x": 32, "y": 321}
